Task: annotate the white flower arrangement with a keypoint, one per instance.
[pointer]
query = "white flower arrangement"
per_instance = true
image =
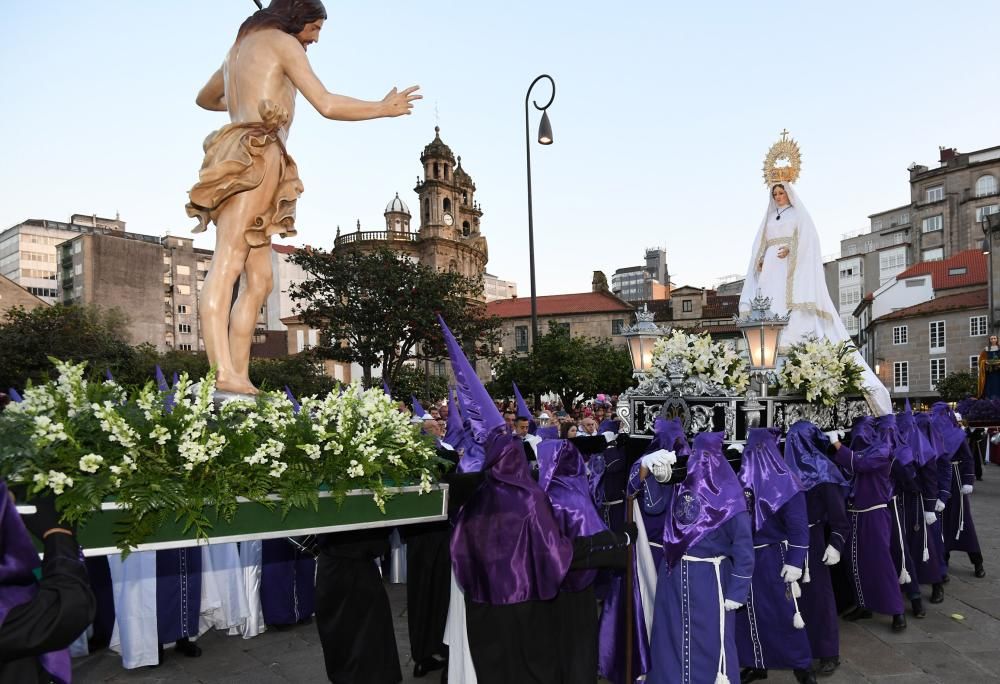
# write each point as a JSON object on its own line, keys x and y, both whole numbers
{"x": 700, "y": 358}
{"x": 170, "y": 453}
{"x": 822, "y": 370}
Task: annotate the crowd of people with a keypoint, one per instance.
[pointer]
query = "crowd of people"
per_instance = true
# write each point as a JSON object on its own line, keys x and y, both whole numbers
{"x": 567, "y": 556}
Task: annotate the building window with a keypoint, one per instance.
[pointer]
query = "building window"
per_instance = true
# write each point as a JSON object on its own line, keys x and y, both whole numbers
{"x": 616, "y": 325}
{"x": 974, "y": 366}
{"x": 903, "y": 218}
{"x": 439, "y": 369}
{"x": 851, "y": 324}
{"x": 938, "y": 371}
{"x": 183, "y": 270}
{"x": 937, "y": 336}
{"x": 182, "y": 308}
{"x": 935, "y": 194}
{"x": 184, "y": 328}
{"x": 876, "y": 225}
{"x": 932, "y": 223}
{"x": 184, "y": 289}
{"x": 184, "y": 346}
{"x": 466, "y": 229}
{"x": 977, "y": 326}
{"x": 521, "y": 338}
{"x": 850, "y": 271}
{"x": 985, "y": 186}
{"x": 851, "y": 250}
{"x": 936, "y": 254}
{"x": 982, "y": 212}
{"x": 891, "y": 262}
{"x": 687, "y": 306}
{"x": 900, "y": 334}
{"x": 901, "y": 376}
{"x": 850, "y": 296}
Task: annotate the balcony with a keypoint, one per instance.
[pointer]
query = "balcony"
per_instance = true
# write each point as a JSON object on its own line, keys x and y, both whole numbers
{"x": 375, "y": 236}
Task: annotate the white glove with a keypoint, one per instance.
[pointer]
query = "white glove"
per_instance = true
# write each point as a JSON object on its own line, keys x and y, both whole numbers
{"x": 831, "y": 556}
{"x": 958, "y": 416}
{"x": 609, "y": 435}
{"x": 834, "y": 436}
{"x": 966, "y": 489}
{"x": 661, "y": 457}
{"x": 790, "y": 573}
{"x": 732, "y": 605}
{"x": 938, "y": 506}
{"x": 930, "y": 518}
{"x": 737, "y": 447}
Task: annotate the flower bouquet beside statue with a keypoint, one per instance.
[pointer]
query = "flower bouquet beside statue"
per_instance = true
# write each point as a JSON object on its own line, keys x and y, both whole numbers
{"x": 713, "y": 368}
{"x": 166, "y": 454}
{"x": 821, "y": 370}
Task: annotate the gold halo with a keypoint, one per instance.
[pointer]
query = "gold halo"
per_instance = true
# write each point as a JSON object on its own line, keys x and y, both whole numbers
{"x": 785, "y": 149}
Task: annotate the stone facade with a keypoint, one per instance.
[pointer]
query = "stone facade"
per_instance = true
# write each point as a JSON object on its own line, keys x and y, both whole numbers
{"x": 904, "y": 355}
{"x": 945, "y": 215}
{"x": 13, "y": 295}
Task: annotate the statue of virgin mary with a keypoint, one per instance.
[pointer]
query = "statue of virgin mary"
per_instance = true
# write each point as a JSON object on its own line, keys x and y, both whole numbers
{"x": 787, "y": 266}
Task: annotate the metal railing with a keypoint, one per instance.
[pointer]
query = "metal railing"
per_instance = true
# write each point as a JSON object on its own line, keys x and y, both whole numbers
{"x": 376, "y": 236}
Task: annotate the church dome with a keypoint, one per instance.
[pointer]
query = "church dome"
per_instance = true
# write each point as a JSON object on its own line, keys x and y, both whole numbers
{"x": 397, "y": 206}
{"x": 437, "y": 149}
{"x": 460, "y": 174}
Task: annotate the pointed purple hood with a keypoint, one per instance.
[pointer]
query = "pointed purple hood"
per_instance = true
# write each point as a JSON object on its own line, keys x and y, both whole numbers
{"x": 710, "y": 495}
{"x": 886, "y": 426}
{"x": 477, "y": 405}
{"x": 765, "y": 473}
{"x": 914, "y": 437}
{"x": 418, "y": 410}
{"x": 507, "y": 546}
{"x": 948, "y": 429}
{"x": 471, "y": 455}
{"x": 805, "y": 454}
{"x": 523, "y": 410}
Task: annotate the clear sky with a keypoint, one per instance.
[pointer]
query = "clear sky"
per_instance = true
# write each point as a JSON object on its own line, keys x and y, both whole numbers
{"x": 663, "y": 114}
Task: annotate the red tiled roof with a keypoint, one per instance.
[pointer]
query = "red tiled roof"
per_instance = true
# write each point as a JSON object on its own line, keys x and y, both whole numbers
{"x": 284, "y": 249}
{"x": 977, "y": 299}
{"x": 973, "y": 260}
{"x": 721, "y": 329}
{"x": 721, "y": 306}
{"x": 555, "y": 305}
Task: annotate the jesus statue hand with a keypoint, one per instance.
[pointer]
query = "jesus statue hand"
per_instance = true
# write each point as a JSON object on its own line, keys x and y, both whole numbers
{"x": 397, "y": 103}
{"x": 783, "y": 252}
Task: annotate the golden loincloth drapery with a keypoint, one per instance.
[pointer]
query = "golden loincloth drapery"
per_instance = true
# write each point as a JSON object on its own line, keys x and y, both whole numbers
{"x": 234, "y": 163}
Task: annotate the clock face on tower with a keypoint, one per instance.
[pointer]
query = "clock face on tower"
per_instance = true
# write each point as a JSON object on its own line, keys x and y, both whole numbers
{"x": 448, "y": 220}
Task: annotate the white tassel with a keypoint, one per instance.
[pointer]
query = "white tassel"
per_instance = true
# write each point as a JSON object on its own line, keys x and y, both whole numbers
{"x": 927, "y": 554}
{"x": 796, "y": 589}
{"x": 798, "y": 622}
{"x": 806, "y": 579}
{"x": 904, "y": 577}
{"x": 721, "y": 679}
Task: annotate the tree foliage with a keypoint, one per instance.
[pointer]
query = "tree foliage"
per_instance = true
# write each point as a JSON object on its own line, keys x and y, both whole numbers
{"x": 379, "y": 309}
{"x": 98, "y": 336}
{"x": 957, "y": 386}
{"x": 566, "y": 365}
{"x": 413, "y": 381}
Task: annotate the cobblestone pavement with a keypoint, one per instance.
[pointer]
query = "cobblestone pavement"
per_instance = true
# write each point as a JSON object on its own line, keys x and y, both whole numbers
{"x": 959, "y": 641}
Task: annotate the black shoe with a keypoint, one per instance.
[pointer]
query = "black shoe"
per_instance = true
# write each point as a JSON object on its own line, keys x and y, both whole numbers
{"x": 187, "y": 647}
{"x": 751, "y": 674}
{"x": 426, "y": 665}
{"x": 980, "y": 571}
{"x": 898, "y": 622}
{"x": 858, "y": 613}
{"x": 945, "y": 579}
{"x": 804, "y": 676}
{"x": 937, "y": 593}
{"x": 828, "y": 665}
{"x": 918, "y": 608}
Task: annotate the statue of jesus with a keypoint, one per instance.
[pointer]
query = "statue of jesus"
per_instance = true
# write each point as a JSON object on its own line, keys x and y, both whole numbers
{"x": 248, "y": 184}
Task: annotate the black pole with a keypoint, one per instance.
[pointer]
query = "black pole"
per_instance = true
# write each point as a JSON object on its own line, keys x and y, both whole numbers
{"x": 531, "y": 226}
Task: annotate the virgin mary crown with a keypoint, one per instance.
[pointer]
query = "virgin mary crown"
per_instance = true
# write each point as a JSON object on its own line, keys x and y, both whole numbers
{"x": 783, "y": 161}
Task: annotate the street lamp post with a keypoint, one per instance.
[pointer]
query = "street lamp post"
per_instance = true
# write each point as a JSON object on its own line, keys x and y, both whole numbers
{"x": 988, "y": 227}
{"x": 544, "y": 138}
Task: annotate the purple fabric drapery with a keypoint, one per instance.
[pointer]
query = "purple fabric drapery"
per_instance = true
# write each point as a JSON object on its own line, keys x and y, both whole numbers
{"x": 805, "y": 454}
{"x": 765, "y": 473}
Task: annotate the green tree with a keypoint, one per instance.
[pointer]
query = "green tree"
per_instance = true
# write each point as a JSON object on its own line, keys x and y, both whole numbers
{"x": 957, "y": 386}
{"x": 569, "y": 366}
{"x": 301, "y": 373}
{"x": 412, "y": 380}
{"x": 379, "y": 309}
{"x": 70, "y": 333}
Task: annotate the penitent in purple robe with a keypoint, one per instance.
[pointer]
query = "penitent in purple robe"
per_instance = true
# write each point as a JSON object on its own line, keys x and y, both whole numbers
{"x": 869, "y": 558}
{"x": 766, "y": 635}
{"x": 923, "y": 541}
{"x": 709, "y": 558}
{"x": 959, "y": 529}
{"x": 288, "y": 584}
{"x": 826, "y": 507}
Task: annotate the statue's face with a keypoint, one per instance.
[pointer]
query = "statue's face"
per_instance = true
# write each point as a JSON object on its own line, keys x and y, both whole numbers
{"x": 310, "y": 33}
{"x": 780, "y": 196}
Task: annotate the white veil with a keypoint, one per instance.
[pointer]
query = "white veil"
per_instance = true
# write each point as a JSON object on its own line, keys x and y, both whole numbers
{"x": 808, "y": 291}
